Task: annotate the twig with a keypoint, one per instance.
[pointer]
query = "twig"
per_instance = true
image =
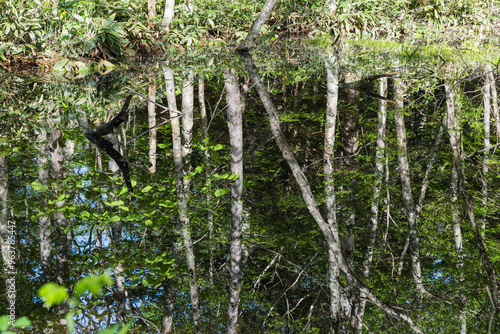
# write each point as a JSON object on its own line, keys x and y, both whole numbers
{"x": 145, "y": 98}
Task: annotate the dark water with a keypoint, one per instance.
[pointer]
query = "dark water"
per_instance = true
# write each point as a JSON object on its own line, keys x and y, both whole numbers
{"x": 103, "y": 226}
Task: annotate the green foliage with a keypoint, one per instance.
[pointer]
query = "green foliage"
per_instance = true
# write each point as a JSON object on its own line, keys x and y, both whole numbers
{"x": 53, "y": 294}
{"x": 93, "y": 284}
{"x": 5, "y": 323}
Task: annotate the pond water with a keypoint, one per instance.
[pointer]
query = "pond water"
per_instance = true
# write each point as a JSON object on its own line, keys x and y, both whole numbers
{"x": 71, "y": 215}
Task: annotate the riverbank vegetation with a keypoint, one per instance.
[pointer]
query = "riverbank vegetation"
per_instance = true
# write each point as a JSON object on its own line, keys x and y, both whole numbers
{"x": 38, "y": 31}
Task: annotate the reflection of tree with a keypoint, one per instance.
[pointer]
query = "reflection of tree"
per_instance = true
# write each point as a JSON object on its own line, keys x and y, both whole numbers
{"x": 96, "y": 137}
{"x": 303, "y": 183}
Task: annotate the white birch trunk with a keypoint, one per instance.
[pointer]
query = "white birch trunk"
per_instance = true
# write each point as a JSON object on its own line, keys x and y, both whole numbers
{"x": 168, "y": 16}
{"x": 235, "y": 125}
{"x": 494, "y": 100}
{"x": 152, "y": 127}
{"x": 262, "y": 18}
{"x": 377, "y": 188}
{"x": 151, "y": 10}
{"x": 182, "y": 187}
{"x": 332, "y": 80}
{"x": 404, "y": 171}
{"x": 454, "y": 133}
{"x": 486, "y": 142}
{"x": 478, "y": 238}
{"x": 4, "y": 209}
{"x": 169, "y": 289}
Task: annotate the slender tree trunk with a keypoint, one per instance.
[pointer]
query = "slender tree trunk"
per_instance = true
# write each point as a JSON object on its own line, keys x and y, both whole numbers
{"x": 60, "y": 222}
{"x": 308, "y": 197}
{"x": 44, "y": 222}
{"x": 5, "y": 230}
{"x": 404, "y": 172}
{"x": 453, "y": 131}
{"x": 377, "y": 189}
{"x": 187, "y": 145}
{"x": 120, "y": 291}
{"x": 379, "y": 174}
{"x": 486, "y": 153}
{"x": 169, "y": 291}
{"x": 494, "y": 100}
{"x": 187, "y": 126}
{"x": 478, "y": 238}
{"x": 168, "y": 16}
{"x": 151, "y": 10}
{"x": 350, "y": 122}
{"x": 169, "y": 287}
{"x": 116, "y": 239}
{"x": 208, "y": 184}
{"x": 332, "y": 80}
{"x": 235, "y": 125}
{"x": 181, "y": 185}
{"x": 262, "y": 18}
{"x": 152, "y": 127}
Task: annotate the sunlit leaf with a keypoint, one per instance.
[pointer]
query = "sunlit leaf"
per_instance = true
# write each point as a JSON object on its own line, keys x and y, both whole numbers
{"x": 146, "y": 189}
{"x": 53, "y": 294}
{"x": 4, "y": 322}
{"x": 93, "y": 284}
{"x": 218, "y": 147}
{"x": 22, "y": 322}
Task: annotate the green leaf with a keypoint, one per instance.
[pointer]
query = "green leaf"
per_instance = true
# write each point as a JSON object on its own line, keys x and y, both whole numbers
{"x": 218, "y": 147}
{"x": 221, "y": 192}
{"x": 124, "y": 329}
{"x": 146, "y": 189}
{"x": 53, "y": 294}
{"x": 234, "y": 176}
{"x": 4, "y": 322}
{"x": 22, "y": 322}
{"x": 148, "y": 222}
{"x": 93, "y": 284}
{"x": 85, "y": 214}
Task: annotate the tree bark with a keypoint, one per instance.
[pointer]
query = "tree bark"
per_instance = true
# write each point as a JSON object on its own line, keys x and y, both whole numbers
{"x": 60, "y": 221}
{"x": 332, "y": 80}
{"x": 334, "y": 247}
{"x": 262, "y": 18}
{"x": 151, "y": 10}
{"x": 182, "y": 186}
{"x": 377, "y": 189}
{"x": 169, "y": 288}
{"x": 4, "y": 209}
{"x": 208, "y": 194}
{"x": 44, "y": 222}
{"x": 168, "y": 16}
{"x": 152, "y": 127}
{"x": 469, "y": 208}
{"x": 494, "y": 99}
{"x": 235, "y": 125}
{"x": 187, "y": 126}
{"x": 453, "y": 131}
{"x": 404, "y": 172}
